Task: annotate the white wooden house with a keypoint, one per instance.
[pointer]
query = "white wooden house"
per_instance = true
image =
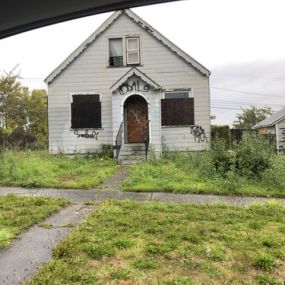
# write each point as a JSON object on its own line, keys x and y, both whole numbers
{"x": 129, "y": 87}
{"x": 274, "y": 126}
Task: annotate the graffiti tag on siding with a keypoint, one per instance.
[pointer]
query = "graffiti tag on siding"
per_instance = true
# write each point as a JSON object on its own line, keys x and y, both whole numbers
{"x": 198, "y": 133}
{"x": 87, "y": 135}
{"x": 133, "y": 86}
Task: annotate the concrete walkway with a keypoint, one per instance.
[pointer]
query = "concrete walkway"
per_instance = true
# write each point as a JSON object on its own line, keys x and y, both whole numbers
{"x": 81, "y": 196}
{"x": 34, "y": 247}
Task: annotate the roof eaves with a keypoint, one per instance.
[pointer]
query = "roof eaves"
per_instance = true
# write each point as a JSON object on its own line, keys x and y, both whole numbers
{"x": 82, "y": 47}
{"x": 258, "y": 126}
{"x": 167, "y": 42}
{"x": 131, "y": 72}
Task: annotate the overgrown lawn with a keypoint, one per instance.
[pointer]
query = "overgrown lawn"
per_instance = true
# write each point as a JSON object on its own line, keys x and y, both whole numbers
{"x": 195, "y": 173}
{"x": 19, "y": 213}
{"x": 128, "y": 242}
{"x": 39, "y": 169}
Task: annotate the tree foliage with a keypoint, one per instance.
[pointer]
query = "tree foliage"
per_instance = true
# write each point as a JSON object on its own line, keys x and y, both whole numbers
{"x": 22, "y": 111}
{"x": 251, "y": 116}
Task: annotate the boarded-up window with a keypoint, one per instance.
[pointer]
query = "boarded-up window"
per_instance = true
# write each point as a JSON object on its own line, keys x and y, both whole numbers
{"x": 177, "y": 112}
{"x": 86, "y": 111}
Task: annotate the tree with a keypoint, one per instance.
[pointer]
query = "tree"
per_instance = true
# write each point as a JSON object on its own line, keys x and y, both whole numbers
{"x": 13, "y": 103}
{"x": 22, "y": 111}
{"x": 251, "y": 116}
{"x": 37, "y": 114}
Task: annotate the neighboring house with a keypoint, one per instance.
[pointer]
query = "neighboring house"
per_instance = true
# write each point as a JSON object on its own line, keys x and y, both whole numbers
{"x": 274, "y": 125}
{"x": 129, "y": 87}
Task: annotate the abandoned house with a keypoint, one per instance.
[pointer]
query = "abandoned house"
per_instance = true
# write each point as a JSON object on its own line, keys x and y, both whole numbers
{"x": 130, "y": 88}
{"x": 274, "y": 127}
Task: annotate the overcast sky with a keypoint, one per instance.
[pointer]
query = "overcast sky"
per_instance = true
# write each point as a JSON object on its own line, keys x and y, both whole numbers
{"x": 241, "y": 41}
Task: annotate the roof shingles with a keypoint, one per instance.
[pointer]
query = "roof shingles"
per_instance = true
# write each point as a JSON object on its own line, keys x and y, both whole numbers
{"x": 272, "y": 120}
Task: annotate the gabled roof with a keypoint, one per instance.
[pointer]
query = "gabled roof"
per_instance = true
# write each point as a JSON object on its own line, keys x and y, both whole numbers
{"x": 141, "y": 23}
{"x": 134, "y": 71}
{"x": 272, "y": 120}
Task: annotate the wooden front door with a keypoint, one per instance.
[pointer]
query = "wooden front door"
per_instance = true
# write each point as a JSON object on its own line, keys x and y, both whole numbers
{"x": 137, "y": 119}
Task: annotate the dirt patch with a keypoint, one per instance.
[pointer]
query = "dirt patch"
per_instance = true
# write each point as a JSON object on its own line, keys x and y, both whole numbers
{"x": 67, "y": 178}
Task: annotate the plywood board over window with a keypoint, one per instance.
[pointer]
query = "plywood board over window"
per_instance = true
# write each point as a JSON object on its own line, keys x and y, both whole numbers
{"x": 177, "y": 109}
{"x": 86, "y": 111}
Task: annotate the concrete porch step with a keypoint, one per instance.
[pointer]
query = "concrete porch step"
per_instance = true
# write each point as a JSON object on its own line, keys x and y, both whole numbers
{"x": 130, "y": 160}
{"x": 131, "y": 153}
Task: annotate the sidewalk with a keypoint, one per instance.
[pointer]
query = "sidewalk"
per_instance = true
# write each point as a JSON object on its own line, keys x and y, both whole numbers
{"x": 34, "y": 247}
{"x": 81, "y": 196}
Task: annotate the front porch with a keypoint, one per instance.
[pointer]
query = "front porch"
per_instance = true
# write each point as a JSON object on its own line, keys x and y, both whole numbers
{"x": 136, "y": 117}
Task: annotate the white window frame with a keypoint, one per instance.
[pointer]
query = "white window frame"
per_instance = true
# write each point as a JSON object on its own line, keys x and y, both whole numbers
{"x": 123, "y": 48}
{"x": 190, "y": 93}
{"x": 138, "y": 50}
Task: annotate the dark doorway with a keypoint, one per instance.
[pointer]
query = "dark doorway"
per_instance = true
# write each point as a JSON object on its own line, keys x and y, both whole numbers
{"x": 136, "y": 119}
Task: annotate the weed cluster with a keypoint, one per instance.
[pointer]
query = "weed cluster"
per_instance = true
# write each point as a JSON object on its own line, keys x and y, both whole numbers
{"x": 249, "y": 168}
{"x": 39, "y": 169}
{"x": 250, "y": 158}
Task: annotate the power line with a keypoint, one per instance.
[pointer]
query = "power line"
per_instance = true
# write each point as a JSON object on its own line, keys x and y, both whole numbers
{"x": 226, "y": 108}
{"x": 248, "y": 92}
{"x": 241, "y": 104}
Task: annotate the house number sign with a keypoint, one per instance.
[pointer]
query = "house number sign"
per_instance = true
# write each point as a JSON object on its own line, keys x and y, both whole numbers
{"x": 87, "y": 135}
{"x": 134, "y": 86}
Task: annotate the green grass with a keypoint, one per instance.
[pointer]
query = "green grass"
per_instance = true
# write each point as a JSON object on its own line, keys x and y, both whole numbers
{"x": 19, "y": 213}
{"x": 126, "y": 242}
{"x": 39, "y": 169}
{"x": 179, "y": 174}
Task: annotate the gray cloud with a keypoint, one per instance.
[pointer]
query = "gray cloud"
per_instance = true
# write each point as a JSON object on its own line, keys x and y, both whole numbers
{"x": 262, "y": 83}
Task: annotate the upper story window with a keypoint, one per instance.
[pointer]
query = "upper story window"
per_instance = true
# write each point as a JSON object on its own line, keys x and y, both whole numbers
{"x": 177, "y": 108}
{"x": 124, "y": 51}
{"x": 116, "y": 52}
{"x": 86, "y": 111}
{"x": 133, "y": 50}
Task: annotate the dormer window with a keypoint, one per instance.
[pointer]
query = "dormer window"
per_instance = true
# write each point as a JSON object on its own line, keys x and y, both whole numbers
{"x": 133, "y": 50}
{"x": 116, "y": 52}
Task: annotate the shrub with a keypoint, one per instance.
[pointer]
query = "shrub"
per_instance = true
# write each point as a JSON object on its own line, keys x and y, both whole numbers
{"x": 222, "y": 159}
{"x": 19, "y": 138}
{"x": 253, "y": 156}
{"x": 221, "y": 133}
{"x": 3, "y": 137}
{"x": 274, "y": 177}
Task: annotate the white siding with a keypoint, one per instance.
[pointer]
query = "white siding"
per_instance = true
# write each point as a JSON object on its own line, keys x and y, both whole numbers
{"x": 280, "y": 136}
{"x": 89, "y": 72}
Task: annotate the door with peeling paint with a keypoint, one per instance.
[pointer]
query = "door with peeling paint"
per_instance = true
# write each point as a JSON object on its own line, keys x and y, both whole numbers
{"x": 136, "y": 110}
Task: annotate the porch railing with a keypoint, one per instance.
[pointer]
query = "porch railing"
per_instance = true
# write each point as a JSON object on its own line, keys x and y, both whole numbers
{"x": 119, "y": 140}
